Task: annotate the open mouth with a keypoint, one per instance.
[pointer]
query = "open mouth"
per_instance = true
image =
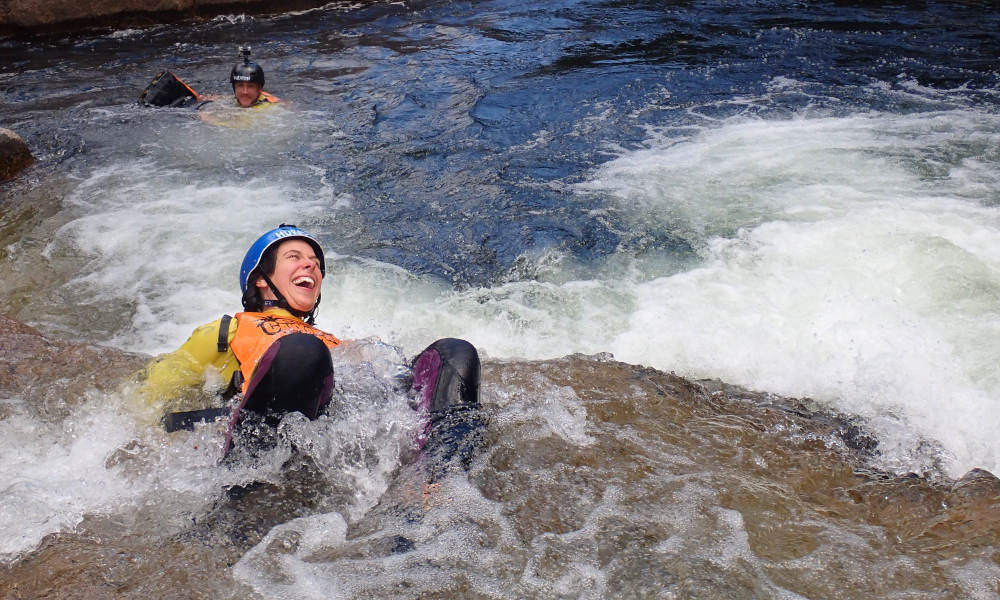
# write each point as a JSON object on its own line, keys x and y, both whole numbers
{"x": 304, "y": 282}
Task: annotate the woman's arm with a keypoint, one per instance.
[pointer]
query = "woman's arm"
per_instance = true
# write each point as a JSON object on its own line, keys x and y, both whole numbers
{"x": 181, "y": 379}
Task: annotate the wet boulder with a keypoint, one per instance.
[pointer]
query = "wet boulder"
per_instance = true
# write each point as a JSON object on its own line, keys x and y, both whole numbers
{"x": 667, "y": 486}
{"x": 54, "y": 374}
{"x": 14, "y": 154}
{"x": 978, "y": 485}
{"x": 32, "y": 15}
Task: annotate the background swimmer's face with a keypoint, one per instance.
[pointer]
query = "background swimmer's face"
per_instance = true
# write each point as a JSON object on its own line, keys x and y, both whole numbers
{"x": 246, "y": 92}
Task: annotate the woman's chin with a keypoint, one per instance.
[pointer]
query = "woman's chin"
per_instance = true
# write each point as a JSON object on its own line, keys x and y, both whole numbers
{"x": 301, "y": 306}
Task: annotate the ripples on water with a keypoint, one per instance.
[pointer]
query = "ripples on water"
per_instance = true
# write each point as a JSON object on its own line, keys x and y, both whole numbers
{"x": 799, "y": 200}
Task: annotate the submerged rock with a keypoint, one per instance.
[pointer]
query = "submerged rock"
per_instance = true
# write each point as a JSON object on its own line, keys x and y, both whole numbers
{"x": 14, "y": 154}
{"x": 977, "y": 485}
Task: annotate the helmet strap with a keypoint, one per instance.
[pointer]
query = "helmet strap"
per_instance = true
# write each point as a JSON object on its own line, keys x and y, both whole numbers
{"x": 308, "y": 317}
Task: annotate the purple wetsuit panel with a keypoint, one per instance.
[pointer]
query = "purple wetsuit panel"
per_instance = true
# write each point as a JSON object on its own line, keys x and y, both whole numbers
{"x": 425, "y": 376}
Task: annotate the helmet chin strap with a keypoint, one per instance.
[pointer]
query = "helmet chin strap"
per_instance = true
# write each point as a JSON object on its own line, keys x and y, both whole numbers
{"x": 308, "y": 317}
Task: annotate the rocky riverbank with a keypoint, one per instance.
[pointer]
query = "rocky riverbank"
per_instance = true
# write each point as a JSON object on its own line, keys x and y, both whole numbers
{"x": 32, "y": 17}
{"x": 790, "y": 471}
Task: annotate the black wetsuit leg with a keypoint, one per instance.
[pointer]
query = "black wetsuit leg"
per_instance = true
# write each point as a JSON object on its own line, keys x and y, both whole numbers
{"x": 446, "y": 377}
{"x": 446, "y": 374}
{"x": 295, "y": 374}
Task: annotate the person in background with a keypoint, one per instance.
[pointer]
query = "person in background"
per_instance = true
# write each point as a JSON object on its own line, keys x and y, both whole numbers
{"x": 247, "y": 79}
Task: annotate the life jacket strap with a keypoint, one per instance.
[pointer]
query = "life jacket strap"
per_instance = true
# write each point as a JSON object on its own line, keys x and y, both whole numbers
{"x": 223, "y": 344}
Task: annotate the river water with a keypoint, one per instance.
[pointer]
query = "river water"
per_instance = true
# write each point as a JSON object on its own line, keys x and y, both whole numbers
{"x": 802, "y": 200}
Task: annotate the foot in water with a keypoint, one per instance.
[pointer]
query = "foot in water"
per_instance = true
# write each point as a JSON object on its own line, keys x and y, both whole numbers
{"x": 446, "y": 379}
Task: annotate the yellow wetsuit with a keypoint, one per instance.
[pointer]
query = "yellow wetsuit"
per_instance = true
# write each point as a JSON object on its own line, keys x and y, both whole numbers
{"x": 229, "y": 114}
{"x": 181, "y": 379}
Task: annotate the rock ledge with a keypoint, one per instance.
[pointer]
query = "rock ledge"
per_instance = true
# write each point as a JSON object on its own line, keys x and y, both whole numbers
{"x": 20, "y": 18}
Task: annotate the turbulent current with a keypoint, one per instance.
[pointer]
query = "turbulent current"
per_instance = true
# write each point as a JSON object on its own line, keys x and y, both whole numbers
{"x": 799, "y": 200}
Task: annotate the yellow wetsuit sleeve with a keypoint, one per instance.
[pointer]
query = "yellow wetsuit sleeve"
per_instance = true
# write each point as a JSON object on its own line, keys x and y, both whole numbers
{"x": 173, "y": 378}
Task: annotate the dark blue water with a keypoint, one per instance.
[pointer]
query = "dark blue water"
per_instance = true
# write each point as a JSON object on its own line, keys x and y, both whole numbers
{"x": 501, "y": 104}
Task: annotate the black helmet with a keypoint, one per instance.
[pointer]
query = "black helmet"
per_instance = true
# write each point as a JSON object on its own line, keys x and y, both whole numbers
{"x": 246, "y": 70}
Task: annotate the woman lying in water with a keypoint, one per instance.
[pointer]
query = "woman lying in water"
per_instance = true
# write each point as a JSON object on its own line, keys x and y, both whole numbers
{"x": 272, "y": 360}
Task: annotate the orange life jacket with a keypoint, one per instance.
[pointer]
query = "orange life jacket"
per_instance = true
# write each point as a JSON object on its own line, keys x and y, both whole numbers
{"x": 256, "y": 331}
{"x": 265, "y": 98}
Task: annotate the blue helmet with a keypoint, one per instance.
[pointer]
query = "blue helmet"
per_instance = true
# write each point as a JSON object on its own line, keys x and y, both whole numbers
{"x": 276, "y": 236}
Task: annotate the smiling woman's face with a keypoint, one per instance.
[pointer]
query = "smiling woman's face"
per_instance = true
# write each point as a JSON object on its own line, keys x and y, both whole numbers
{"x": 297, "y": 275}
